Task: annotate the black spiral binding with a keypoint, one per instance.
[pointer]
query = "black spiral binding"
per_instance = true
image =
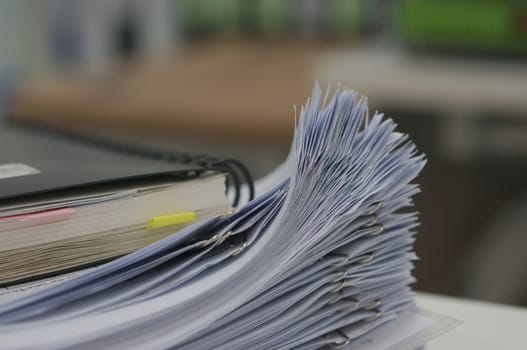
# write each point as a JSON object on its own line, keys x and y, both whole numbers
{"x": 237, "y": 172}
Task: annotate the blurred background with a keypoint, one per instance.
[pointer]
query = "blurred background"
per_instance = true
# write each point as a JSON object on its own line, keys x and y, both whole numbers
{"x": 221, "y": 77}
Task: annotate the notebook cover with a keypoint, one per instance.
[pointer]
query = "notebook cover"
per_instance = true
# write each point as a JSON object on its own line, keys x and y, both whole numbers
{"x": 64, "y": 163}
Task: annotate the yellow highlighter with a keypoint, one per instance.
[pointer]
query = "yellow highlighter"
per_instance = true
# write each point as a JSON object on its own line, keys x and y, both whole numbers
{"x": 171, "y": 219}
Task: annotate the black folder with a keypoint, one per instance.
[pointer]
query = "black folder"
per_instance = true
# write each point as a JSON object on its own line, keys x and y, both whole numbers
{"x": 33, "y": 161}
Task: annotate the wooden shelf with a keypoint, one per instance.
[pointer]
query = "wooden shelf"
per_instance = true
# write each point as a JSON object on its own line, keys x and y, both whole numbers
{"x": 243, "y": 90}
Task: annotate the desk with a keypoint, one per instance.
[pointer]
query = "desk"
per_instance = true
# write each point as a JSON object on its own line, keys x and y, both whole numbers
{"x": 485, "y": 326}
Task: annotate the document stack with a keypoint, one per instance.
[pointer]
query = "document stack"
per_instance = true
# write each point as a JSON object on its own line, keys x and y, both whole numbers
{"x": 66, "y": 204}
{"x": 323, "y": 260}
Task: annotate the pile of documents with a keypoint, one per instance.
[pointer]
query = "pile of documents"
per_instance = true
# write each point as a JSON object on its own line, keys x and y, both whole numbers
{"x": 321, "y": 260}
{"x": 65, "y": 204}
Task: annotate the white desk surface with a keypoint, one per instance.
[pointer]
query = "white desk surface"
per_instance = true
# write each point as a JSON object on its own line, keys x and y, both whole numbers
{"x": 485, "y": 325}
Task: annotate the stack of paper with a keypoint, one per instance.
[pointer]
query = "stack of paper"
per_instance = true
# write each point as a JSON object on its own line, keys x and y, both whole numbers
{"x": 66, "y": 203}
{"x": 323, "y": 259}
{"x": 56, "y": 233}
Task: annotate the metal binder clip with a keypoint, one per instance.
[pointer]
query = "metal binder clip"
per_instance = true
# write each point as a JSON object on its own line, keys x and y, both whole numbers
{"x": 339, "y": 287}
{"x": 367, "y": 259}
{"x": 373, "y": 220}
{"x": 240, "y": 249}
{"x": 341, "y": 277}
{"x": 340, "y": 263}
{"x": 225, "y": 237}
{"x": 373, "y": 306}
{"x": 374, "y": 316}
{"x": 379, "y": 230}
{"x": 338, "y": 298}
{"x": 353, "y": 306}
{"x": 218, "y": 239}
{"x": 211, "y": 240}
{"x": 373, "y": 208}
{"x": 342, "y": 344}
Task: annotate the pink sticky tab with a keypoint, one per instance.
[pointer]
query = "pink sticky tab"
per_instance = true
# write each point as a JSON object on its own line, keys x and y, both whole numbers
{"x": 41, "y": 217}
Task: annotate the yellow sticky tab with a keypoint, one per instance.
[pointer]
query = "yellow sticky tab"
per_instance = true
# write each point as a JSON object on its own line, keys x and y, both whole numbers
{"x": 172, "y": 219}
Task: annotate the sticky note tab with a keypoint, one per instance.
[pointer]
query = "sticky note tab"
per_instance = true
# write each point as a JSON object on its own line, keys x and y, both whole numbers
{"x": 41, "y": 217}
{"x": 172, "y": 219}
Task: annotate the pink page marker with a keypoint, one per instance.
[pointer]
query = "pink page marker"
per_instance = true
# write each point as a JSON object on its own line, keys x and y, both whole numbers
{"x": 41, "y": 217}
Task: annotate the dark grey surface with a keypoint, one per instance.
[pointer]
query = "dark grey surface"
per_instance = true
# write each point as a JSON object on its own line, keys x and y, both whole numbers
{"x": 65, "y": 163}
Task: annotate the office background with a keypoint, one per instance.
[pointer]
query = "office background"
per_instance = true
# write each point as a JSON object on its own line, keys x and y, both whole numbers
{"x": 221, "y": 77}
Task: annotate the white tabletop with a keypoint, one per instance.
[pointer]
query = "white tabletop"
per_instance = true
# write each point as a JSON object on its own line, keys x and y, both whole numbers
{"x": 485, "y": 325}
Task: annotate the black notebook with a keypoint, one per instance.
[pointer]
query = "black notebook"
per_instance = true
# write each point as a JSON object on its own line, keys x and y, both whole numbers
{"x": 33, "y": 160}
{"x": 68, "y": 201}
